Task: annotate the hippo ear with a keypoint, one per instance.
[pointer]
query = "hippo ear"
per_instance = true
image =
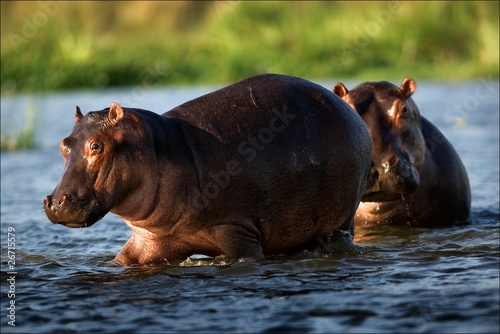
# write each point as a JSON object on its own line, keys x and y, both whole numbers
{"x": 115, "y": 113}
{"x": 408, "y": 87}
{"x": 78, "y": 115}
{"x": 340, "y": 90}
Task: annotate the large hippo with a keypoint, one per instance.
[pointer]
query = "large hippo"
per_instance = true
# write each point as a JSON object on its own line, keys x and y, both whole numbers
{"x": 262, "y": 166}
{"x": 417, "y": 178}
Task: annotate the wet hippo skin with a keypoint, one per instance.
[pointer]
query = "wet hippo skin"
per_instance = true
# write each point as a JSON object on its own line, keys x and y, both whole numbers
{"x": 262, "y": 166}
{"x": 417, "y": 178}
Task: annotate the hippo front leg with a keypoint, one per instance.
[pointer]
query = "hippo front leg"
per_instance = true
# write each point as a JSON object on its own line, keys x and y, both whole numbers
{"x": 124, "y": 259}
{"x": 145, "y": 251}
{"x": 132, "y": 253}
{"x": 237, "y": 241}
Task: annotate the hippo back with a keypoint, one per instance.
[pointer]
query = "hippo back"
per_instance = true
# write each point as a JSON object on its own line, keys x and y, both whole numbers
{"x": 279, "y": 149}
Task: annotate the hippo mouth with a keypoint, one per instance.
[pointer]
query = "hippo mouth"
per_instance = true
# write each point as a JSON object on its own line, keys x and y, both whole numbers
{"x": 71, "y": 212}
{"x": 389, "y": 184}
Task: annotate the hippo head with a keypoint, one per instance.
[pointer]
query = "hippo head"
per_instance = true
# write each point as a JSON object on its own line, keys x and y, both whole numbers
{"x": 394, "y": 124}
{"x": 98, "y": 177}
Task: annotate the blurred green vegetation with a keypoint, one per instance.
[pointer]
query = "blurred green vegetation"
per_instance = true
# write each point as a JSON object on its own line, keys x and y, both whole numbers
{"x": 23, "y": 139}
{"x": 54, "y": 45}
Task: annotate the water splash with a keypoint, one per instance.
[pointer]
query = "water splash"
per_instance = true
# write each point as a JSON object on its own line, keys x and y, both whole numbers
{"x": 407, "y": 209}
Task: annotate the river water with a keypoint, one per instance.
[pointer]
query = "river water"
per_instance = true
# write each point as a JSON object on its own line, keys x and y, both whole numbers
{"x": 393, "y": 280}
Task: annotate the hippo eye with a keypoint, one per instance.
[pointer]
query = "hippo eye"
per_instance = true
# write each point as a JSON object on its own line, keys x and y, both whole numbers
{"x": 404, "y": 112}
{"x": 95, "y": 146}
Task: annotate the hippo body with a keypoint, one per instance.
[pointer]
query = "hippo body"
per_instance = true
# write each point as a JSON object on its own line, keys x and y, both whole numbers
{"x": 263, "y": 166}
{"x": 417, "y": 177}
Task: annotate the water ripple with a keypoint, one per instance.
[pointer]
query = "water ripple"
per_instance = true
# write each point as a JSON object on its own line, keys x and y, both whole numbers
{"x": 395, "y": 279}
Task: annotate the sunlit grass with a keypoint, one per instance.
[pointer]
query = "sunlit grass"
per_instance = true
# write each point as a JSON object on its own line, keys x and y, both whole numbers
{"x": 224, "y": 41}
{"x": 23, "y": 139}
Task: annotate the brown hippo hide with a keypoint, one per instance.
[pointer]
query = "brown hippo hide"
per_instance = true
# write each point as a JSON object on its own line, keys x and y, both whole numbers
{"x": 417, "y": 178}
{"x": 263, "y": 166}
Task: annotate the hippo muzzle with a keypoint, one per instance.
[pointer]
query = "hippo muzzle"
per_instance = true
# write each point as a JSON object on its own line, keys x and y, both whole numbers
{"x": 69, "y": 211}
{"x": 391, "y": 180}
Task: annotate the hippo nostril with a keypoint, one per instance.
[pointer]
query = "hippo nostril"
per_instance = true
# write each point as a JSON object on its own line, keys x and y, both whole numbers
{"x": 62, "y": 199}
{"x": 387, "y": 165}
{"x": 405, "y": 156}
{"x": 393, "y": 161}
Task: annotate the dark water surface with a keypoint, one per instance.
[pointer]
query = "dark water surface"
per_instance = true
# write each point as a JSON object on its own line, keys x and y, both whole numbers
{"x": 394, "y": 280}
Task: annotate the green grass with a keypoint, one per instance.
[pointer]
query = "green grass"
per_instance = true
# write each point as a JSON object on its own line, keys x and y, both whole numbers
{"x": 24, "y": 139}
{"x": 107, "y": 44}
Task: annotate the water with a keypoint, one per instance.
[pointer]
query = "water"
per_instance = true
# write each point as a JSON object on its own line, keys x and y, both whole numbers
{"x": 395, "y": 279}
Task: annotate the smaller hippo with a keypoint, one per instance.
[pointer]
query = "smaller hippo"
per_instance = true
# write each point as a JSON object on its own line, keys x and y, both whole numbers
{"x": 417, "y": 177}
{"x": 264, "y": 166}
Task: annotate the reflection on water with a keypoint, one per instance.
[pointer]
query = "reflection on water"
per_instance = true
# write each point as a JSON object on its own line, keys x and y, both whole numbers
{"x": 394, "y": 279}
